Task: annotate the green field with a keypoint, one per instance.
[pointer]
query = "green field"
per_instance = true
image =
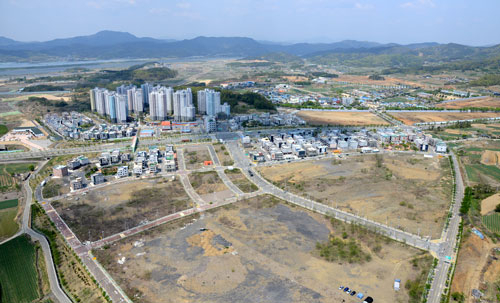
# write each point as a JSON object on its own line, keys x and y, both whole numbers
{"x": 18, "y": 275}
{"x": 475, "y": 170}
{"x": 3, "y": 129}
{"x": 8, "y": 225}
{"x": 16, "y": 168}
{"x": 492, "y": 222}
{"x": 8, "y": 204}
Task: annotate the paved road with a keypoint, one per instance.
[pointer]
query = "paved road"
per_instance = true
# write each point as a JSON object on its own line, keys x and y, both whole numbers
{"x": 49, "y": 264}
{"x": 96, "y": 148}
{"x": 449, "y": 241}
{"x": 243, "y": 162}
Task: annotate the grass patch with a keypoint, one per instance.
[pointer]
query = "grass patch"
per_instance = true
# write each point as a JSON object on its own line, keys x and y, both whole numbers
{"x": 8, "y": 204}
{"x": 3, "y": 129}
{"x": 337, "y": 249}
{"x": 18, "y": 277}
{"x": 8, "y": 225}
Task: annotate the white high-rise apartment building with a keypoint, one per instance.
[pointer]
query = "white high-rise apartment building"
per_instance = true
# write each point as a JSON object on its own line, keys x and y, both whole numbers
{"x": 170, "y": 99}
{"x": 183, "y": 105}
{"x": 121, "y": 108}
{"x": 202, "y": 103}
{"x": 138, "y": 102}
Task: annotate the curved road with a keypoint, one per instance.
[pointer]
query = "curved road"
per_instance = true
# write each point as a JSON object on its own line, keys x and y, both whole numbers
{"x": 26, "y": 228}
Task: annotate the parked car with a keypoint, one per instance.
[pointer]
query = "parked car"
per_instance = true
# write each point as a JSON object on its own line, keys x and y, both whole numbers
{"x": 250, "y": 173}
{"x": 368, "y": 300}
{"x": 346, "y": 289}
{"x": 353, "y": 293}
{"x": 341, "y": 287}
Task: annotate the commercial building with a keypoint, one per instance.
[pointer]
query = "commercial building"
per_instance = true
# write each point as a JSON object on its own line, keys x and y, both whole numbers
{"x": 122, "y": 171}
{"x": 60, "y": 171}
{"x": 76, "y": 184}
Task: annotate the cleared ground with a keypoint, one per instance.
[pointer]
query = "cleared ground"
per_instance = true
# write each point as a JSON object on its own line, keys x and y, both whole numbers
{"x": 195, "y": 156}
{"x": 403, "y": 190}
{"x": 481, "y": 102}
{"x": 478, "y": 267}
{"x": 489, "y": 204}
{"x": 341, "y": 118}
{"x": 208, "y": 183}
{"x": 118, "y": 207}
{"x": 410, "y": 118}
{"x": 257, "y": 250}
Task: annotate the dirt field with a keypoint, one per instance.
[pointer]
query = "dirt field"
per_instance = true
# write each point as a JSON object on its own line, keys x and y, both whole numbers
{"x": 471, "y": 155}
{"x": 410, "y": 118}
{"x": 118, "y": 207}
{"x": 482, "y": 102}
{"x": 490, "y": 157}
{"x": 194, "y": 156}
{"x": 341, "y": 118}
{"x": 405, "y": 191}
{"x": 355, "y": 79}
{"x": 255, "y": 251}
{"x": 489, "y": 204}
{"x": 209, "y": 186}
{"x": 477, "y": 269}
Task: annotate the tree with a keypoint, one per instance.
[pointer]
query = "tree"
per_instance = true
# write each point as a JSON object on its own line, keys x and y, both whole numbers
{"x": 31, "y": 167}
{"x": 497, "y": 208}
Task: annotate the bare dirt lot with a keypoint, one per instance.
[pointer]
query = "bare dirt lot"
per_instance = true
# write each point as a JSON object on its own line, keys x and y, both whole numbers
{"x": 341, "y": 118}
{"x": 410, "y": 118}
{"x": 406, "y": 191}
{"x": 478, "y": 267}
{"x": 195, "y": 156}
{"x": 258, "y": 250}
{"x": 121, "y": 206}
{"x": 480, "y": 102}
{"x": 489, "y": 204}
{"x": 209, "y": 186}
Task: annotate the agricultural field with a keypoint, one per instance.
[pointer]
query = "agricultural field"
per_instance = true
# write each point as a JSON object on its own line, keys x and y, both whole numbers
{"x": 121, "y": 206}
{"x": 209, "y": 186}
{"x": 195, "y": 156}
{"x": 411, "y": 117}
{"x": 403, "y": 190}
{"x": 475, "y": 102}
{"x": 480, "y": 161}
{"x": 8, "y": 215}
{"x": 8, "y": 181}
{"x": 491, "y": 130}
{"x": 72, "y": 275}
{"x": 492, "y": 222}
{"x": 260, "y": 250}
{"x": 341, "y": 118}
{"x": 240, "y": 180}
{"x": 18, "y": 271}
{"x": 223, "y": 155}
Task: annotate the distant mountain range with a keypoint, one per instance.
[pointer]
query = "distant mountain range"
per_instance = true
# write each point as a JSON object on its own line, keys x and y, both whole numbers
{"x": 120, "y": 45}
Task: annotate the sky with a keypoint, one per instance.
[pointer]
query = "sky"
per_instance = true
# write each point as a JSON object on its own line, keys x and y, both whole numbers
{"x": 399, "y": 21}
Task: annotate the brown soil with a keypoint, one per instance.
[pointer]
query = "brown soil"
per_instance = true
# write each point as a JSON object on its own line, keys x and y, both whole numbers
{"x": 273, "y": 260}
{"x": 406, "y": 191}
{"x": 195, "y": 156}
{"x": 207, "y": 182}
{"x": 341, "y": 118}
{"x": 489, "y": 204}
{"x": 482, "y": 102}
{"x": 473, "y": 261}
{"x": 410, "y": 118}
{"x": 490, "y": 157}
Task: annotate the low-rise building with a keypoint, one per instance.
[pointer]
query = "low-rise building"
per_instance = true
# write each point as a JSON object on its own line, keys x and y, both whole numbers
{"x": 122, "y": 171}
{"x": 76, "y": 184}
{"x": 97, "y": 178}
{"x": 60, "y": 171}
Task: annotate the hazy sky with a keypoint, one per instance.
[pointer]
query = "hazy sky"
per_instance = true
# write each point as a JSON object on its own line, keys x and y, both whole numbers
{"x": 401, "y": 21}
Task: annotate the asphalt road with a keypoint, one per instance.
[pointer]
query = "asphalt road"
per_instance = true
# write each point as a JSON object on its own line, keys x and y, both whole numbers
{"x": 449, "y": 242}
{"x": 26, "y": 228}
